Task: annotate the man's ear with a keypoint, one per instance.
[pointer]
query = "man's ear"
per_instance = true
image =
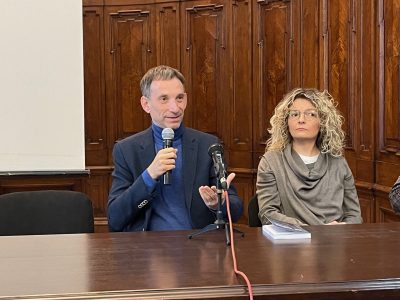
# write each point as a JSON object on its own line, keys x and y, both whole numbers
{"x": 144, "y": 101}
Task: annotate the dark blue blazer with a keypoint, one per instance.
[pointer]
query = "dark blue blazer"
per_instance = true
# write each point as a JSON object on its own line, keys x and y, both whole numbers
{"x": 130, "y": 201}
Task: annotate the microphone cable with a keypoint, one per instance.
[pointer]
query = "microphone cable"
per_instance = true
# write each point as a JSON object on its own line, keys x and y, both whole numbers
{"x": 249, "y": 288}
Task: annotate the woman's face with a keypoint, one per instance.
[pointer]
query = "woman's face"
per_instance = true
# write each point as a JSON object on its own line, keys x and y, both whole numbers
{"x": 303, "y": 121}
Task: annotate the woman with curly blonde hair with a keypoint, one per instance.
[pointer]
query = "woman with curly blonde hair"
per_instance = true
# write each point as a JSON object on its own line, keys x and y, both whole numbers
{"x": 303, "y": 177}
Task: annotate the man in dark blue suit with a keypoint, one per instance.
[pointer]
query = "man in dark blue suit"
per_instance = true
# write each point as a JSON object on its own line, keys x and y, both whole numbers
{"x": 139, "y": 200}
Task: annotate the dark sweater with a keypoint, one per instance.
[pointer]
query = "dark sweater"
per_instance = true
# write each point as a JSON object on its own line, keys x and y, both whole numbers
{"x": 169, "y": 207}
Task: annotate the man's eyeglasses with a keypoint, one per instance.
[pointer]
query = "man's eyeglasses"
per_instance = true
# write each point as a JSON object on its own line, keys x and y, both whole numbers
{"x": 308, "y": 114}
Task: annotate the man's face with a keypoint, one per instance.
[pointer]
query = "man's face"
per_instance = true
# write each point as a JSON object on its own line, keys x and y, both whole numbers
{"x": 166, "y": 103}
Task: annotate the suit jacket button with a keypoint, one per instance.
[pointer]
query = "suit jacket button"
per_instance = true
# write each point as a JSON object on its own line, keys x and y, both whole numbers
{"x": 143, "y": 203}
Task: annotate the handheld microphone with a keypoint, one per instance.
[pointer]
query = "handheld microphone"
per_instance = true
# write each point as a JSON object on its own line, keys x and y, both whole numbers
{"x": 216, "y": 151}
{"x": 167, "y": 135}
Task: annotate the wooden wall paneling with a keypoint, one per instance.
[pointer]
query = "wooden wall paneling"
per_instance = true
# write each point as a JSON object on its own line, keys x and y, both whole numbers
{"x": 386, "y": 174}
{"x": 341, "y": 44}
{"x": 168, "y": 34}
{"x": 365, "y": 91}
{"x": 312, "y": 44}
{"x": 364, "y": 94}
{"x": 271, "y": 65}
{"x": 130, "y": 52}
{"x": 21, "y": 183}
{"x": 305, "y": 44}
{"x": 383, "y": 209}
{"x": 239, "y": 117}
{"x": 351, "y": 84}
{"x": 388, "y": 108}
{"x": 97, "y": 188}
{"x": 245, "y": 186}
{"x": 94, "y": 87}
{"x": 367, "y": 202}
{"x": 205, "y": 64}
{"x": 86, "y": 3}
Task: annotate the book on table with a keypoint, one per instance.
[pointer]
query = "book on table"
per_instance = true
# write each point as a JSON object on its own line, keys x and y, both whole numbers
{"x": 280, "y": 230}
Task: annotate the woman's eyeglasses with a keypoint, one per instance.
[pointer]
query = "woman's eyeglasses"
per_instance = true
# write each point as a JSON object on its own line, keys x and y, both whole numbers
{"x": 309, "y": 114}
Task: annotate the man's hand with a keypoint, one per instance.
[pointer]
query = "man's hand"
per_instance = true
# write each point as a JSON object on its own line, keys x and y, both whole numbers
{"x": 163, "y": 162}
{"x": 209, "y": 194}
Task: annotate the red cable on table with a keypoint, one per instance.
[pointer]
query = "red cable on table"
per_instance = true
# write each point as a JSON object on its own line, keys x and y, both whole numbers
{"x": 233, "y": 249}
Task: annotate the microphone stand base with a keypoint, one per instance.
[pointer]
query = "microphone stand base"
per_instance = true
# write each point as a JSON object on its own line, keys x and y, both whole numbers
{"x": 217, "y": 226}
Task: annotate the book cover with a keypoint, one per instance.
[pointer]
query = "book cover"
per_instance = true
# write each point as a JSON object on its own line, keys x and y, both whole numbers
{"x": 284, "y": 231}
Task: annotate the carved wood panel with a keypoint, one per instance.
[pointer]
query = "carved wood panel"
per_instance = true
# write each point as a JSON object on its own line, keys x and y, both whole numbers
{"x": 36, "y": 183}
{"x": 306, "y": 44}
{"x": 383, "y": 209}
{"x": 388, "y": 109}
{"x": 131, "y": 52}
{"x": 205, "y": 64}
{"x": 97, "y": 189}
{"x": 272, "y": 61}
{"x": 94, "y": 87}
{"x": 367, "y": 205}
{"x": 363, "y": 93}
{"x": 349, "y": 71}
{"x": 239, "y": 115}
{"x": 341, "y": 42}
{"x": 365, "y": 90}
{"x": 168, "y": 35}
{"x": 245, "y": 186}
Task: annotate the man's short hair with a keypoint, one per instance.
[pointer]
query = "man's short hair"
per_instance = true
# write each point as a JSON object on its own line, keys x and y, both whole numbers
{"x": 159, "y": 73}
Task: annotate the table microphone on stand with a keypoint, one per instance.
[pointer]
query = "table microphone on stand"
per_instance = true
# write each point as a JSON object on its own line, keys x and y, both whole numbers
{"x": 216, "y": 151}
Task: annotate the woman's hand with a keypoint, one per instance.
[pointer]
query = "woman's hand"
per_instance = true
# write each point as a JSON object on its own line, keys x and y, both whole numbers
{"x": 335, "y": 223}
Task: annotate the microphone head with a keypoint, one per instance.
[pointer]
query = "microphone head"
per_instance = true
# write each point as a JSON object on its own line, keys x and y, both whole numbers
{"x": 215, "y": 148}
{"x": 167, "y": 134}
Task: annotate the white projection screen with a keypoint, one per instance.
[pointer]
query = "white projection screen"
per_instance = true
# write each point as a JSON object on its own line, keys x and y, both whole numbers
{"x": 41, "y": 80}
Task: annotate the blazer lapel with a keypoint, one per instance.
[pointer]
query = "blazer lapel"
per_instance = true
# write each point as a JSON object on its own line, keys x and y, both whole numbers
{"x": 189, "y": 149}
{"x": 147, "y": 148}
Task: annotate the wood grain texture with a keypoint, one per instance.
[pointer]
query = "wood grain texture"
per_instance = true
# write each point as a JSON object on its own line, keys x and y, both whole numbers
{"x": 340, "y": 262}
{"x": 96, "y": 147}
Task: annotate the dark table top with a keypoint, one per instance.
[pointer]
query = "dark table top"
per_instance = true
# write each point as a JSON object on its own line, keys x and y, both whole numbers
{"x": 346, "y": 261}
